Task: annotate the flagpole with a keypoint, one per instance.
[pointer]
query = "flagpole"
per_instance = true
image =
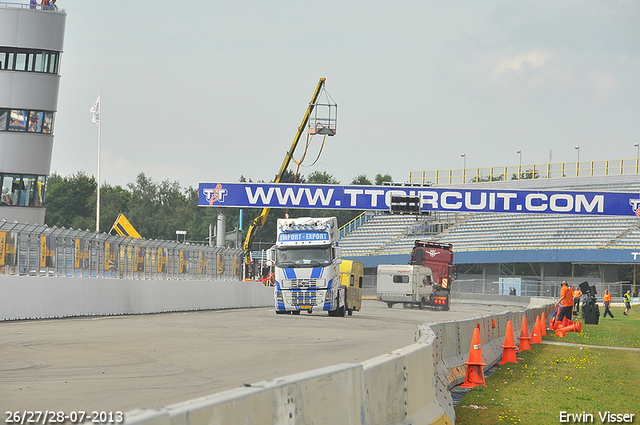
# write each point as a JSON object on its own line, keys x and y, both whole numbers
{"x": 99, "y": 149}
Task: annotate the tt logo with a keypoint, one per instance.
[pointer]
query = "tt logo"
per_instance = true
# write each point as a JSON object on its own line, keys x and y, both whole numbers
{"x": 215, "y": 195}
{"x": 634, "y": 205}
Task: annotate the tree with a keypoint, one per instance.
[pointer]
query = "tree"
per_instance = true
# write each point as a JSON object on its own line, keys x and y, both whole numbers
{"x": 290, "y": 177}
{"x": 380, "y": 179}
{"x": 481, "y": 179}
{"x": 71, "y": 201}
{"x": 154, "y": 207}
{"x": 321, "y": 177}
{"x": 362, "y": 180}
{"x": 114, "y": 200}
{"x": 526, "y": 175}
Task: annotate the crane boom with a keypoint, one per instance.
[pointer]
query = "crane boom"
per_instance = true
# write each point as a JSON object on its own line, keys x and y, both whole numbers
{"x": 259, "y": 221}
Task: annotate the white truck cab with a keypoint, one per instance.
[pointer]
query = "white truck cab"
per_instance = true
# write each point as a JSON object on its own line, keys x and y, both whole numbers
{"x": 306, "y": 260}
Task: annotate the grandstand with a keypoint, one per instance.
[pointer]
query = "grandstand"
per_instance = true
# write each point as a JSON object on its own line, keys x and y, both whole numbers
{"x": 484, "y": 238}
{"x": 394, "y": 234}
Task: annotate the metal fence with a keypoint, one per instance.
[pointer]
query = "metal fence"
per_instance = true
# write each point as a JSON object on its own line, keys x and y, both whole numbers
{"x": 27, "y": 249}
{"x": 525, "y": 286}
{"x": 531, "y": 287}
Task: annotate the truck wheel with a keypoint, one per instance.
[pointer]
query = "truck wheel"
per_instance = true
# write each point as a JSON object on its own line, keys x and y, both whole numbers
{"x": 341, "y": 311}
{"x": 350, "y": 312}
{"x": 390, "y": 305}
{"x": 446, "y": 306}
{"x": 422, "y": 303}
{"x": 280, "y": 312}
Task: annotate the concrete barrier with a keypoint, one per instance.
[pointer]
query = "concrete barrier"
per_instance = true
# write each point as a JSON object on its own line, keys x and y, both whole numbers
{"x": 406, "y": 386}
{"x": 33, "y": 297}
{"x": 330, "y": 395}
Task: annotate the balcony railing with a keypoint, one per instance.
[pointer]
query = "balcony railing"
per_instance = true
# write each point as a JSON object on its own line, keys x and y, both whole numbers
{"x": 29, "y": 6}
{"x": 614, "y": 167}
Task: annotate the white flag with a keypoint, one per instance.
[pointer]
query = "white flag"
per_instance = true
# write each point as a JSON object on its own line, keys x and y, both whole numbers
{"x": 95, "y": 109}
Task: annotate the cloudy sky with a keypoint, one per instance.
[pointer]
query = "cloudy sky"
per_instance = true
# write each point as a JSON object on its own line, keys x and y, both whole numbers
{"x": 211, "y": 90}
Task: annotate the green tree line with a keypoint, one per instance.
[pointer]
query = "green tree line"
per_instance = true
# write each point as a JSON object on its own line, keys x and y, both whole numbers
{"x": 158, "y": 209}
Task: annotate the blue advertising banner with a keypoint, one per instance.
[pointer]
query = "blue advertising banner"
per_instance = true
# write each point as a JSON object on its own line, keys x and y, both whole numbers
{"x": 272, "y": 195}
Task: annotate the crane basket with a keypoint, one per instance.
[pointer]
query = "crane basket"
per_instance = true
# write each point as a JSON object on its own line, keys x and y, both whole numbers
{"x": 323, "y": 115}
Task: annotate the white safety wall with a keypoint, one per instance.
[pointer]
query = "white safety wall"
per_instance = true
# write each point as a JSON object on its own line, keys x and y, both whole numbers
{"x": 33, "y": 297}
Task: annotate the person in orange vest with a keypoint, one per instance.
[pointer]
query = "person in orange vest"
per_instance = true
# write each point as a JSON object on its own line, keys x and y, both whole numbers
{"x": 577, "y": 293}
{"x": 565, "y": 301}
{"x": 607, "y": 303}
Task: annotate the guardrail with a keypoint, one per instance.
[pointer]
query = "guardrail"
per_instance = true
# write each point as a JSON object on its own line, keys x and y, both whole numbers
{"x": 410, "y": 385}
{"x": 29, "y": 6}
{"x": 525, "y": 172}
{"x": 36, "y": 250}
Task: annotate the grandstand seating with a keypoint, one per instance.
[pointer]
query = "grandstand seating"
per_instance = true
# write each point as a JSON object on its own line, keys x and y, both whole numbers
{"x": 389, "y": 234}
{"x": 394, "y": 234}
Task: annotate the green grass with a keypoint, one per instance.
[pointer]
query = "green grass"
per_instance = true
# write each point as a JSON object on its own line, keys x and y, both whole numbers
{"x": 621, "y": 331}
{"x": 575, "y": 379}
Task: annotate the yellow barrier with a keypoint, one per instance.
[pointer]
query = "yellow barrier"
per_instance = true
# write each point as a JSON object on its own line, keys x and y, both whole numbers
{"x": 612, "y": 167}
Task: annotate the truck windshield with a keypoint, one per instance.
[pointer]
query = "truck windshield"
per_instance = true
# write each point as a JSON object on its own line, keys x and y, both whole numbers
{"x": 303, "y": 257}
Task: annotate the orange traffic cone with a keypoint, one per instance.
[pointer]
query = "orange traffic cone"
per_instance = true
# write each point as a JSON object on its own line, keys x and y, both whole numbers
{"x": 576, "y": 327}
{"x": 509, "y": 347}
{"x": 554, "y": 319}
{"x": 536, "y": 337}
{"x": 524, "y": 336}
{"x": 560, "y": 332}
{"x": 475, "y": 372}
{"x": 543, "y": 325}
{"x": 566, "y": 322}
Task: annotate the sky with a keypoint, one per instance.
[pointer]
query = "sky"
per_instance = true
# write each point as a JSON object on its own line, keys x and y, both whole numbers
{"x": 208, "y": 91}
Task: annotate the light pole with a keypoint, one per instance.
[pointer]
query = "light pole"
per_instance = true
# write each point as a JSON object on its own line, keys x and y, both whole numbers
{"x": 519, "y": 152}
{"x": 578, "y": 160}
{"x": 464, "y": 167}
{"x": 637, "y": 155}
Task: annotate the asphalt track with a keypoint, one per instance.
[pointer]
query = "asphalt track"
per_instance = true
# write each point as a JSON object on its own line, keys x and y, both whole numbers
{"x": 120, "y": 363}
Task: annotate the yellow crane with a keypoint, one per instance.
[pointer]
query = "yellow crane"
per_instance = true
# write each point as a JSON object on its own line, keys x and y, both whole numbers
{"x": 321, "y": 126}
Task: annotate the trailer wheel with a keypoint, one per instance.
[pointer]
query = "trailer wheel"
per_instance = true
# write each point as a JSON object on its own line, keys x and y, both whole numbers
{"x": 390, "y": 304}
{"x": 350, "y": 312}
{"x": 446, "y": 306}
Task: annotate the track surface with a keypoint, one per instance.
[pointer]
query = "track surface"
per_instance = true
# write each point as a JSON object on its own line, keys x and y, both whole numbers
{"x": 127, "y": 362}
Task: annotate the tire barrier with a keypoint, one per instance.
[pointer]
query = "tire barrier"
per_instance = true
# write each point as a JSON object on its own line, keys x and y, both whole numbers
{"x": 409, "y": 385}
